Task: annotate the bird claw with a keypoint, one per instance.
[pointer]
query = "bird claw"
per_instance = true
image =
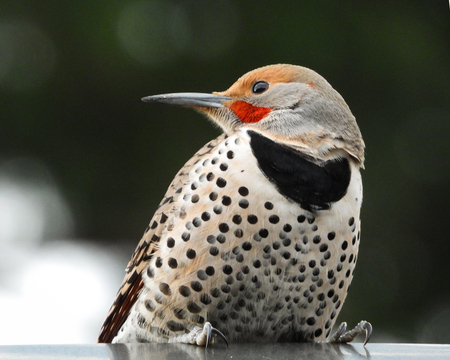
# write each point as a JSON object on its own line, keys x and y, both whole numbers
{"x": 210, "y": 330}
{"x": 199, "y": 336}
{"x": 342, "y": 337}
{"x": 337, "y": 335}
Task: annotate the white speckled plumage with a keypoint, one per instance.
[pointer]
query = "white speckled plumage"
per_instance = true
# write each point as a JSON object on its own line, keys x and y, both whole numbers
{"x": 225, "y": 247}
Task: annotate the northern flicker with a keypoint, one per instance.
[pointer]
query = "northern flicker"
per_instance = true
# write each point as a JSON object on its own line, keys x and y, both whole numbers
{"x": 257, "y": 237}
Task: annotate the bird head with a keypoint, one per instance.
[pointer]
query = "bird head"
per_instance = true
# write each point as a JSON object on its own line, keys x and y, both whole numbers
{"x": 290, "y": 104}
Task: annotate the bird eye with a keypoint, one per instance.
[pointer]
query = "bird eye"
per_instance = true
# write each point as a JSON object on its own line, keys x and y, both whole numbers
{"x": 259, "y": 87}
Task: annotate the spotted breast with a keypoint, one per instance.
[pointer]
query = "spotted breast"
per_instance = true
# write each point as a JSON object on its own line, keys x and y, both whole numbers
{"x": 257, "y": 237}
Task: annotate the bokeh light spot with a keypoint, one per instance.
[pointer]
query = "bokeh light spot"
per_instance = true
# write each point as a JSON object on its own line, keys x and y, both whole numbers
{"x": 152, "y": 32}
{"x": 155, "y": 32}
{"x": 51, "y": 290}
{"x": 27, "y": 56}
{"x": 31, "y": 207}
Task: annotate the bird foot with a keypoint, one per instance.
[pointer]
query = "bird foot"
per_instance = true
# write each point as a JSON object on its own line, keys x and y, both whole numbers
{"x": 342, "y": 337}
{"x": 199, "y": 336}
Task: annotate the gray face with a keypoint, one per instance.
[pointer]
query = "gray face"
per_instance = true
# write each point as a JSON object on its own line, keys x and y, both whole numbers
{"x": 301, "y": 113}
{"x": 305, "y": 111}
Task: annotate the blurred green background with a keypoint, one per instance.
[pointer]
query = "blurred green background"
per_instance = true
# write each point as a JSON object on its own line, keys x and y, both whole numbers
{"x": 72, "y": 74}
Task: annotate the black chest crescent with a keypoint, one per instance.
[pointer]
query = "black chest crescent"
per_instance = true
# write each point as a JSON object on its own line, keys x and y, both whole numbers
{"x": 313, "y": 186}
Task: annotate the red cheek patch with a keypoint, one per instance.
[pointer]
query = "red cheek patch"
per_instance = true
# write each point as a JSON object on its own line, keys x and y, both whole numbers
{"x": 248, "y": 113}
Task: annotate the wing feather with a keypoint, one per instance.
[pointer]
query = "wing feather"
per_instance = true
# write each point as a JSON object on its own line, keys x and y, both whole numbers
{"x": 132, "y": 283}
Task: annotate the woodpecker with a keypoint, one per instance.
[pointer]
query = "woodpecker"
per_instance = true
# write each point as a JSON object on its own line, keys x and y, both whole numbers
{"x": 257, "y": 237}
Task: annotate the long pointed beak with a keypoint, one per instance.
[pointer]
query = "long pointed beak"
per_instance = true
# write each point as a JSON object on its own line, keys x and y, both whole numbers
{"x": 189, "y": 99}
